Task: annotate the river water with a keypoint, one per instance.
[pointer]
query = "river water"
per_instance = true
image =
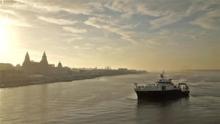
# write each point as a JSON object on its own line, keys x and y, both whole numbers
{"x": 111, "y": 100}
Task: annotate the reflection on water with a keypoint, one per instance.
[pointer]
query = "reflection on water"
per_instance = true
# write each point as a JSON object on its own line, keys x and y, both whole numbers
{"x": 106, "y": 100}
{"x": 161, "y": 103}
{"x": 160, "y": 111}
{"x": 18, "y": 103}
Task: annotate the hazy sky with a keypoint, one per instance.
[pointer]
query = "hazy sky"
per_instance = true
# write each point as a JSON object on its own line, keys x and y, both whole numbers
{"x": 141, "y": 34}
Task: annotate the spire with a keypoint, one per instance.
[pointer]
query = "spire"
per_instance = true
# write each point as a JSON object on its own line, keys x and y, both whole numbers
{"x": 27, "y": 59}
{"x": 44, "y": 59}
{"x": 60, "y": 65}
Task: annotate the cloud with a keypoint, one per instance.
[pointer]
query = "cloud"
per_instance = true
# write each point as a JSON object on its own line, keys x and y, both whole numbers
{"x": 75, "y": 7}
{"x": 208, "y": 21}
{"x": 13, "y": 18}
{"x": 94, "y": 22}
{"x": 174, "y": 11}
{"x": 57, "y": 21}
{"x": 168, "y": 12}
{"x": 108, "y": 15}
{"x": 111, "y": 26}
{"x": 166, "y": 20}
{"x": 142, "y": 9}
{"x": 164, "y": 12}
{"x": 4, "y": 11}
{"x": 123, "y": 6}
{"x": 12, "y": 22}
{"x": 74, "y": 30}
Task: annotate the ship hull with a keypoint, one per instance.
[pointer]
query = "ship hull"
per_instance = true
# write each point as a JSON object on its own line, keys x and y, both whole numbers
{"x": 161, "y": 95}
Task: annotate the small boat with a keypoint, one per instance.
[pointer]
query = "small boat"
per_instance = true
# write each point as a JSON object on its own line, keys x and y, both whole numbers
{"x": 162, "y": 89}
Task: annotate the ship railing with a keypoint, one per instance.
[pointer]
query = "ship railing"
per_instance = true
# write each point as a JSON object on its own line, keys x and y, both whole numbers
{"x": 142, "y": 86}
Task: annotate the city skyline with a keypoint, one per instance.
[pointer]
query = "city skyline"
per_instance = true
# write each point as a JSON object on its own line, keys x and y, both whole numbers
{"x": 152, "y": 35}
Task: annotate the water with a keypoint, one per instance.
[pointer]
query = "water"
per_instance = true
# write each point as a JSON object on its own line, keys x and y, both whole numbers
{"x": 110, "y": 100}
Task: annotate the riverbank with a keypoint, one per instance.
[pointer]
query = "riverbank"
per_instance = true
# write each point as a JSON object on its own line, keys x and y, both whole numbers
{"x": 56, "y": 80}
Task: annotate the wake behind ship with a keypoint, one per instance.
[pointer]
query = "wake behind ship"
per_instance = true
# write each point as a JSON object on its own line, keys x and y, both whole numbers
{"x": 163, "y": 89}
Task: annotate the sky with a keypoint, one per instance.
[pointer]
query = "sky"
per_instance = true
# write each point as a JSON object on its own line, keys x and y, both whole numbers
{"x": 136, "y": 34}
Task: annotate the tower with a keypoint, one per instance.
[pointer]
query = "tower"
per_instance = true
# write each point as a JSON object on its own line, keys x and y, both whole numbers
{"x": 60, "y": 65}
{"x": 27, "y": 59}
{"x": 44, "y": 59}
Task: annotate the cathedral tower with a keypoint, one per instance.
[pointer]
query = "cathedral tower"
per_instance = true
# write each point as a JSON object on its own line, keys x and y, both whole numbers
{"x": 44, "y": 59}
{"x": 27, "y": 59}
{"x": 59, "y": 65}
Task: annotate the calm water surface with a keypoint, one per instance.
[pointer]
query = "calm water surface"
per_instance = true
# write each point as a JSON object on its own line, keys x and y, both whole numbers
{"x": 110, "y": 100}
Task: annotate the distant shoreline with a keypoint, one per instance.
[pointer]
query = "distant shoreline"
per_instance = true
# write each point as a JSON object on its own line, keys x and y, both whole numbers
{"x": 58, "y": 81}
{"x": 42, "y": 72}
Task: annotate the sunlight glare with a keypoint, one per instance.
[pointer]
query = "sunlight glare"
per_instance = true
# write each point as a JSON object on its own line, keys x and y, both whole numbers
{"x": 4, "y": 35}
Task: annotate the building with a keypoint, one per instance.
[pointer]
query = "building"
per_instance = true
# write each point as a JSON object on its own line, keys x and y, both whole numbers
{"x": 42, "y": 67}
{"x": 6, "y": 66}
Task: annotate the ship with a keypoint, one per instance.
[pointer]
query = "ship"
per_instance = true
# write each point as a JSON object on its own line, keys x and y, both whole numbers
{"x": 163, "y": 89}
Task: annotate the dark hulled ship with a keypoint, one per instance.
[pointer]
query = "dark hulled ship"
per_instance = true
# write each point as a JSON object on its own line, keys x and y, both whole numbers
{"x": 162, "y": 89}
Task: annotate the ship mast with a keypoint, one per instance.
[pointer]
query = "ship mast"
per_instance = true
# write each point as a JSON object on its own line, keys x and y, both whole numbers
{"x": 162, "y": 75}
